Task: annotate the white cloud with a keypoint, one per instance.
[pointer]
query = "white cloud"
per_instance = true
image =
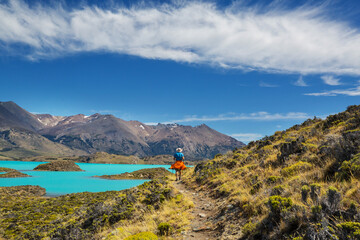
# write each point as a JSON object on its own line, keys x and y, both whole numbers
{"x": 348, "y": 92}
{"x": 258, "y": 116}
{"x": 331, "y": 80}
{"x": 302, "y": 40}
{"x": 264, "y": 84}
{"x": 300, "y": 82}
{"x": 246, "y": 137}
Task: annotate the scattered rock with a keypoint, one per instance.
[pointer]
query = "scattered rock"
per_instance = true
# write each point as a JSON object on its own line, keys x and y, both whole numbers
{"x": 61, "y": 165}
{"x": 199, "y": 229}
{"x": 202, "y": 215}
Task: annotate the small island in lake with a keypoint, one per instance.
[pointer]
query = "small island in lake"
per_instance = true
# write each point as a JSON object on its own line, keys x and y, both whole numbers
{"x": 14, "y": 174}
{"x": 149, "y": 173}
{"x": 11, "y": 173}
{"x": 61, "y": 165}
{"x": 5, "y": 169}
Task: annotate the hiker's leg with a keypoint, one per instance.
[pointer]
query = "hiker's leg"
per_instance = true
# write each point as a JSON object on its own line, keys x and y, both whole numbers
{"x": 176, "y": 174}
{"x": 179, "y": 174}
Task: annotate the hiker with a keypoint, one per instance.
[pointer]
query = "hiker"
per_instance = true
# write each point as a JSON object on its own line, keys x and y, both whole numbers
{"x": 179, "y": 163}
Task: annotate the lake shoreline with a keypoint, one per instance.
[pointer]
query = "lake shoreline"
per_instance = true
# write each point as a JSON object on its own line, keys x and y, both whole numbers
{"x": 59, "y": 183}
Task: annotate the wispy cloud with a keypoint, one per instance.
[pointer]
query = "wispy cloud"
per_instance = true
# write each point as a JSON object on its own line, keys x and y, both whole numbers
{"x": 302, "y": 40}
{"x": 105, "y": 111}
{"x": 300, "y": 82}
{"x": 246, "y": 137}
{"x": 264, "y": 84}
{"x": 348, "y": 92}
{"x": 258, "y": 116}
{"x": 331, "y": 80}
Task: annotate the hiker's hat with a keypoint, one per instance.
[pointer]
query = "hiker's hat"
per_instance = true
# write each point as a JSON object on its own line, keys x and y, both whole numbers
{"x": 179, "y": 150}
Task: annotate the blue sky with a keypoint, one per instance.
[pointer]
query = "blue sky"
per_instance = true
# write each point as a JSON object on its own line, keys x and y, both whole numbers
{"x": 245, "y": 68}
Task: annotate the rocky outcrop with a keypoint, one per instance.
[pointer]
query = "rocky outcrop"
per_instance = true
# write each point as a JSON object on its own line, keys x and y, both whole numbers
{"x": 293, "y": 147}
{"x": 61, "y": 165}
{"x": 23, "y": 191}
{"x": 149, "y": 173}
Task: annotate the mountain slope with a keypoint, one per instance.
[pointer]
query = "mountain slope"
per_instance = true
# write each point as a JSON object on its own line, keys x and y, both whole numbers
{"x": 113, "y": 135}
{"x": 19, "y": 137}
{"x": 19, "y": 143}
{"x": 97, "y": 133}
{"x": 198, "y": 142}
{"x": 302, "y": 183}
{"x": 80, "y": 134}
{"x": 11, "y": 115}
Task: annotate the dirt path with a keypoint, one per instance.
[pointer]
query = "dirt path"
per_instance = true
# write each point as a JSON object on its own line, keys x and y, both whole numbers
{"x": 202, "y": 214}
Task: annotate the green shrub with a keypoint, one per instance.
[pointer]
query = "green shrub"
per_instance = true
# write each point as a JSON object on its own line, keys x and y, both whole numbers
{"x": 279, "y": 204}
{"x": 143, "y": 236}
{"x": 315, "y": 192}
{"x": 305, "y": 192}
{"x": 238, "y": 155}
{"x": 316, "y": 212}
{"x": 350, "y": 229}
{"x": 273, "y": 180}
{"x": 295, "y": 168}
{"x": 349, "y": 169}
{"x": 277, "y": 190}
{"x": 255, "y": 188}
{"x": 316, "y": 209}
{"x": 333, "y": 198}
{"x": 248, "y": 228}
{"x": 164, "y": 229}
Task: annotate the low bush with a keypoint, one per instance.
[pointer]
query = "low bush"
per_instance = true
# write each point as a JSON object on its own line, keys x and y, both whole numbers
{"x": 164, "y": 229}
{"x": 350, "y": 230}
{"x": 295, "y": 168}
{"x": 143, "y": 236}
{"x": 305, "y": 192}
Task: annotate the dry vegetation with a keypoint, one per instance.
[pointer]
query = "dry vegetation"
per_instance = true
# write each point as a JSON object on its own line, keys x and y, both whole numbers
{"x": 151, "y": 209}
{"x": 302, "y": 183}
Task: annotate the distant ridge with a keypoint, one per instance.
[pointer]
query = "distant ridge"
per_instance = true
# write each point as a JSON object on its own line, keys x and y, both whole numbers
{"x": 80, "y": 134}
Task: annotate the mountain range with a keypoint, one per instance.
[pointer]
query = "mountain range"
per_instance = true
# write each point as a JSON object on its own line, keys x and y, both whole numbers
{"x": 23, "y": 134}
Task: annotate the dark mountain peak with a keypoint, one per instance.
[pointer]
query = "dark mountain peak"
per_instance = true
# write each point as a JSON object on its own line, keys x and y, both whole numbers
{"x": 44, "y": 115}
{"x": 203, "y": 126}
{"x": 8, "y": 103}
{"x": 168, "y": 125}
{"x": 12, "y": 115}
{"x": 96, "y": 115}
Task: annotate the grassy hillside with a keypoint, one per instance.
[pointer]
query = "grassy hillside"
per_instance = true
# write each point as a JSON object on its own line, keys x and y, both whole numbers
{"x": 302, "y": 183}
{"x": 150, "y": 208}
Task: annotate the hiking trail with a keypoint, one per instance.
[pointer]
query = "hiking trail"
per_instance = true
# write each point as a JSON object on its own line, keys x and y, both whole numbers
{"x": 202, "y": 214}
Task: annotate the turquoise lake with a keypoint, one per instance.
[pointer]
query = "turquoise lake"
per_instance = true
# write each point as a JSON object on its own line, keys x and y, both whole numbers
{"x": 59, "y": 183}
